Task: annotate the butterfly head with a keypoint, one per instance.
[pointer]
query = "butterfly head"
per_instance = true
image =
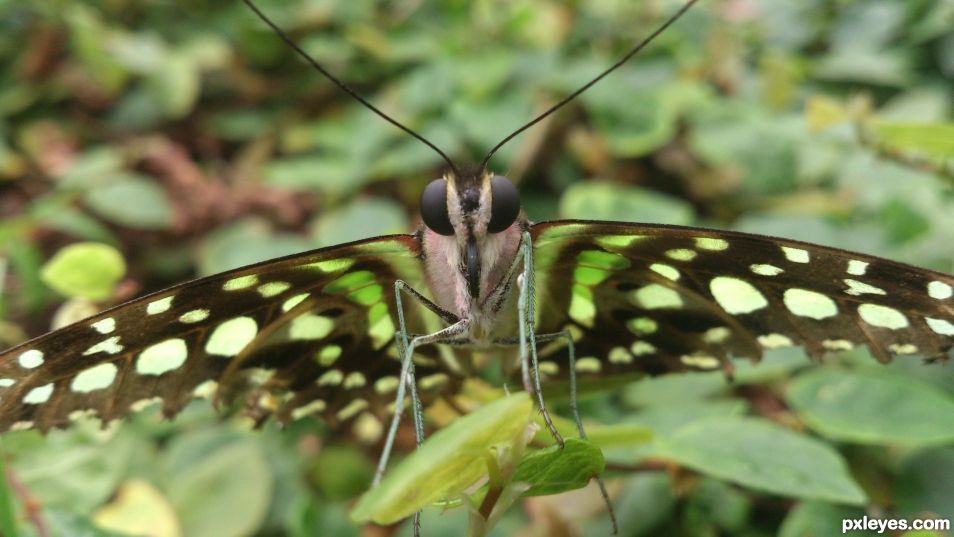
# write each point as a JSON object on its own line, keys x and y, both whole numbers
{"x": 477, "y": 208}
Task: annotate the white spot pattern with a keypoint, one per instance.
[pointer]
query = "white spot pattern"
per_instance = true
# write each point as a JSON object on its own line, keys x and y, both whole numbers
{"x": 805, "y": 303}
{"x": 736, "y": 296}
{"x": 939, "y": 290}
{"x": 30, "y": 359}
{"x": 159, "y": 306}
{"x": 945, "y": 328}
{"x": 766, "y": 270}
{"x": 95, "y": 378}
{"x": 162, "y": 357}
{"x": 882, "y": 316}
{"x": 655, "y": 296}
{"x": 109, "y": 346}
{"x": 39, "y": 395}
{"x": 857, "y": 268}
{"x": 795, "y": 255}
{"x": 857, "y": 288}
{"x": 230, "y": 337}
{"x": 104, "y": 326}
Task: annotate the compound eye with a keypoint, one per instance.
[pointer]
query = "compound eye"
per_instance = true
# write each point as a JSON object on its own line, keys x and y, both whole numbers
{"x": 434, "y": 207}
{"x": 504, "y": 204}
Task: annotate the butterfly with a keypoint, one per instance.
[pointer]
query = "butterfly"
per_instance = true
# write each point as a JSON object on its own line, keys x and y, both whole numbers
{"x": 314, "y": 333}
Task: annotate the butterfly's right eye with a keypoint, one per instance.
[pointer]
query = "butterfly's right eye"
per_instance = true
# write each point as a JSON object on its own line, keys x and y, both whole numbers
{"x": 434, "y": 207}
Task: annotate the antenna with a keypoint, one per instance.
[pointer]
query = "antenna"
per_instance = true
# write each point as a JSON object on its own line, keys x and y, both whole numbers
{"x": 642, "y": 44}
{"x": 344, "y": 87}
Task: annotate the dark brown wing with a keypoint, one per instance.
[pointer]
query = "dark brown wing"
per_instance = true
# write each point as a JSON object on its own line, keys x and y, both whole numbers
{"x": 311, "y": 333}
{"x": 654, "y": 298}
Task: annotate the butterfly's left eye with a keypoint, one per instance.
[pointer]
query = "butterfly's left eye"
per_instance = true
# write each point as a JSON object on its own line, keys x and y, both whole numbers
{"x": 434, "y": 207}
{"x": 504, "y": 204}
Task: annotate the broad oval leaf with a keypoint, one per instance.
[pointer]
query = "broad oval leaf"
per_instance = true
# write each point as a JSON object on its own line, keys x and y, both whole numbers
{"x": 873, "y": 407}
{"x": 447, "y": 462}
{"x": 132, "y": 200}
{"x": 227, "y": 493}
{"x": 759, "y": 454}
{"x": 554, "y": 469}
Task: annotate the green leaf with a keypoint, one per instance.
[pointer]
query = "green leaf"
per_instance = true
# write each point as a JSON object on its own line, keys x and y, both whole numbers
{"x": 674, "y": 389}
{"x": 761, "y": 455}
{"x": 90, "y": 42}
{"x": 646, "y": 501}
{"x": 131, "y": 200}
{"x": 8, "y": 524}
{"x": 139, "y": 509}
{"x": 448, "y": 462}
{"x": 925, "y": 484}
{"x": 715, "y": 505}
{"x": 176, "y": 84}
{"x": 359, "y": 220}
{"x": 64, "y": 522}
{"x": 662, "y": 420}
{"x": 341, "y": 473}
{"x": 932, "y": 139}
{"x": 73, "y": 470}
{"x": 85, "y": 269}
{"x": 812, "y": 519}
{"x": 332, "y": 174}
{"x": 873, "y": 407}
{"x": 226, "y": 493}
{"x": 609, "y": 201}
{"x": 244, "y": 242}
{"x": 553, "y": 470}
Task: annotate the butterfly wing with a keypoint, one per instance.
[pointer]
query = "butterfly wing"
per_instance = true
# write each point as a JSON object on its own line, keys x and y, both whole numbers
{"x": 654, "y": 298}
{"x": 312, "y": 332}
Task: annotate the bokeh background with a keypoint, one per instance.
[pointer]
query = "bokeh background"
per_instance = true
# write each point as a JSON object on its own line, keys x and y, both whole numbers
{"x": 188, "y": 138}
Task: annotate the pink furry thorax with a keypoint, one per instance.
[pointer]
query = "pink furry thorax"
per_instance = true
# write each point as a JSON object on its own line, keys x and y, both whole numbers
{"x": 448, "y": 285}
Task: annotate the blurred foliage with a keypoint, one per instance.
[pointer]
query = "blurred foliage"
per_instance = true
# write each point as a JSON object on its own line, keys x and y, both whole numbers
{"x": 186, "y": 136}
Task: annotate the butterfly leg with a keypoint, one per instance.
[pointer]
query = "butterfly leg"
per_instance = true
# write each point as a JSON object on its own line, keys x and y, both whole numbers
{"x": 406, "y": 350}
{"x": 571, "y": 353}
{"x": 527, "y": 317}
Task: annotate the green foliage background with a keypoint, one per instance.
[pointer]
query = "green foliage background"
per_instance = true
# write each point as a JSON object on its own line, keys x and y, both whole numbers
{"x": 189, "y": 138}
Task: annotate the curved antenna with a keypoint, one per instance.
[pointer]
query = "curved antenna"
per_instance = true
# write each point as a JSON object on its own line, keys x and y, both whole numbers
{"x": 587, "y": 86}
{"x": 344, "y": 87}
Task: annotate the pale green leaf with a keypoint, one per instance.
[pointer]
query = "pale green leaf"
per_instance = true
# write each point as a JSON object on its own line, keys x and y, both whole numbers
{"x": 85, "y": 269}
{"x": 761, "y": 455}
{"x": 448, "y": 462}
{"x": 873, "y": 407}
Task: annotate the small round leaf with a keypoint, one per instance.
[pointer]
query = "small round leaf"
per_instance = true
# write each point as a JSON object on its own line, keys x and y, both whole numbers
{"x": 86, "y": 269}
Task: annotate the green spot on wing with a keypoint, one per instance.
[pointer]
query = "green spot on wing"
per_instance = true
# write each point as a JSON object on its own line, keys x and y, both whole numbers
{"x": 332, "y": 265}
{"x": 309, "y": 327}
{"x": 367, "y": 296}
{"x": 447, "y": 463}
{"x": 582, "y": 309}
{"x": 589, "y": 275}
{"x": 603, "y": 260}
{"x": 350, "y": 282}
{"x": 328, "y": 355}
{"x": 380, "y": 326}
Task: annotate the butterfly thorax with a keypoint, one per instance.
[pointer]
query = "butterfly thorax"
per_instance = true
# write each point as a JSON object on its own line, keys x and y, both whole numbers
{"x": 469, "y": 260}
